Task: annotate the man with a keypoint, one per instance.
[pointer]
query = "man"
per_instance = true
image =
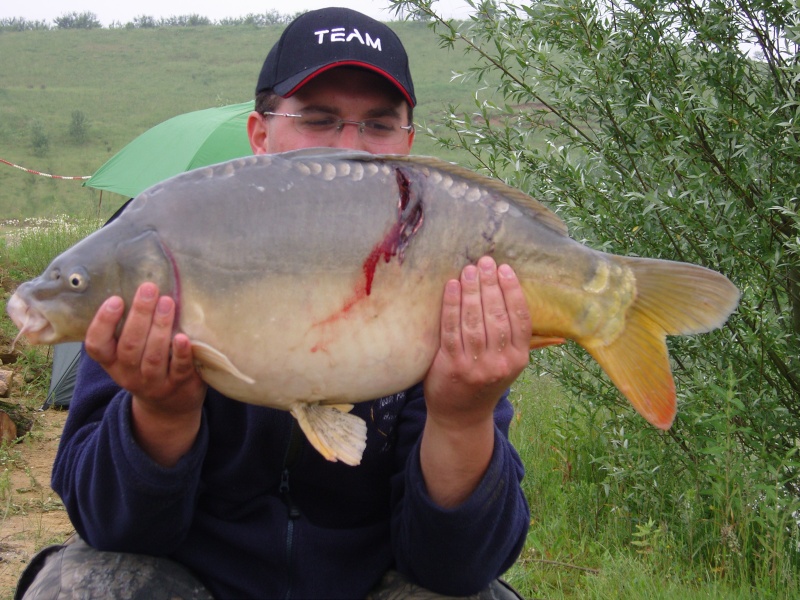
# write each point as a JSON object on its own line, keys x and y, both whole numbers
{"x": 169, "y": 483}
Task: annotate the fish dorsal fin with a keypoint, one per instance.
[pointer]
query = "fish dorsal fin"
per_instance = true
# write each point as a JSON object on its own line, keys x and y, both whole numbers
{"x": 536, "y": 209}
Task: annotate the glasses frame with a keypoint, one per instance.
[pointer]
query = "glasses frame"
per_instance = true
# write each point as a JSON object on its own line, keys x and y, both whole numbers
{"x": 340, "y": 123}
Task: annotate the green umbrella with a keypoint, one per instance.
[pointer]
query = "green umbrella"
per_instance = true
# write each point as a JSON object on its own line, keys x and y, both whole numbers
{"x": 179, "y": 144}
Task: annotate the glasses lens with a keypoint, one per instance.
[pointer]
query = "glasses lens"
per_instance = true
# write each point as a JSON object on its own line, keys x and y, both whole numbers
{"x": 317, "y": 124}
{"x": 324, "y": 126}
{"x": 381, "y": 129}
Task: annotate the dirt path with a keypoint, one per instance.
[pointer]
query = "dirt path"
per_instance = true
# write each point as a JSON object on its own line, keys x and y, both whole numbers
{"x": 31, "y": 514}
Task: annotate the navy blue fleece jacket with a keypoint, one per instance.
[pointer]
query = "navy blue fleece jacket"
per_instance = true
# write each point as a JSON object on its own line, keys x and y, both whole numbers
{"x": 255, "y": 512}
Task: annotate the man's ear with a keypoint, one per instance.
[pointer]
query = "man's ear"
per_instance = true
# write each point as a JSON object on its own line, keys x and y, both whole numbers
{"x": 257, "y": 133}
{"x": 411, "y": 139}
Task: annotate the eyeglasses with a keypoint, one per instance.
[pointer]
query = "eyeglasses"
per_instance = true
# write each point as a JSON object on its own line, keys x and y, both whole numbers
{"x": 323, "y": 126}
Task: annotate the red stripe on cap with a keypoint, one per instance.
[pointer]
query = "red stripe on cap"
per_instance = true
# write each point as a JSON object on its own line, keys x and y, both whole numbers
{"x": 353, "y": 63}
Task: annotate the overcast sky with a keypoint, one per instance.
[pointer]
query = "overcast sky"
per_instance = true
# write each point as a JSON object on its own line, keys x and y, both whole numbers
{"x": 108, "y": 11}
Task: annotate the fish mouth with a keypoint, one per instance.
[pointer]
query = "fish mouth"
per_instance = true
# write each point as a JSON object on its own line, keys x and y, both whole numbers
{"x": 32, "y": 323}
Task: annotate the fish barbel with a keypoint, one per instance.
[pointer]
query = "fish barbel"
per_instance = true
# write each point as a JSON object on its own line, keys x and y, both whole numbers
{"x": 313, "y": 279}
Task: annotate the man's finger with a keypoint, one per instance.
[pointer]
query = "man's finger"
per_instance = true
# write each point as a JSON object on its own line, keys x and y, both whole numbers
{"x": 473, "y": 330}
{"x": 451, "y": 319}
{"x": 521, "y": 326}
{"x": 182, "y": 363}
{"x": 155, "y": 356}
{"x": 101, "y": 345}
{"x": 130, "y": 346}
{"x": 495, "y": 312}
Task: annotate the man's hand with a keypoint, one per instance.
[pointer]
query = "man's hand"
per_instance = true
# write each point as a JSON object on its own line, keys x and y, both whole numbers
{"x": 158, "y": 370}
{"x": 485, "y": 343}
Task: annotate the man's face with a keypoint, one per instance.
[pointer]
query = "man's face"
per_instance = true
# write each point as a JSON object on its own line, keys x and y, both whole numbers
{"x": 344, "y": 93}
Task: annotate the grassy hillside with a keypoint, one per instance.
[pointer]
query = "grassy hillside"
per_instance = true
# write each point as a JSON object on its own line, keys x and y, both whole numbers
{"x": 125, "y": 81}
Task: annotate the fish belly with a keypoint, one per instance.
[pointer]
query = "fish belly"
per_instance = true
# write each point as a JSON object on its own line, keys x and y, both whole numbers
{"x": 323, "y": 340}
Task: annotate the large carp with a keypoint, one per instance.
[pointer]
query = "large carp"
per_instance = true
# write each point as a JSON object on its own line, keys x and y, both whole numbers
{"x": 314, "y": 279}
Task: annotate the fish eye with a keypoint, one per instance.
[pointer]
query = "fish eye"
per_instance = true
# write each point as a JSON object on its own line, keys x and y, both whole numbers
{"x": 78, "y": 281}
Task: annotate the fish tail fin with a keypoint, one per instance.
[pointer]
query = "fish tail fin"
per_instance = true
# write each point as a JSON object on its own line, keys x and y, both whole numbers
{"x": 333, "y": 432}
{"x": 638, "y": 364}
{"x": 682, "y": 298}
{"x": 672, "y": 298}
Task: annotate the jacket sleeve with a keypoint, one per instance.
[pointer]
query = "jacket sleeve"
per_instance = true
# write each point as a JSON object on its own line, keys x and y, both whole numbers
{"x": 116, "y": 496}
{"x": 458, "y": 551}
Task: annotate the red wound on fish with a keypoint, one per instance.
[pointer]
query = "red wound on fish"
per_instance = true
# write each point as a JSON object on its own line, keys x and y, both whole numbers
{"x": 394, "y": 243}
{"x": 404, "y": 186}
{"x": 386, "y": 248}
{"x": 410, "y": 213}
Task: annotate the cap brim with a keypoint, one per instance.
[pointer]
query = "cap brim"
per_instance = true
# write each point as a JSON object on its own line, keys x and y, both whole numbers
{"x": 290, "y": 86}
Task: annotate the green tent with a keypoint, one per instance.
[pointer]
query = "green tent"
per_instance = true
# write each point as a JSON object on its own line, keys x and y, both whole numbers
{"x": 62, "y": 376}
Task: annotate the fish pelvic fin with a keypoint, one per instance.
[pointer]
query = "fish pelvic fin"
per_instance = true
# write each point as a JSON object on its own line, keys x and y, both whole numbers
{"x": 334, "y": 433}
{"x": 672, "y": 298}
{"x": 210, "y": 358}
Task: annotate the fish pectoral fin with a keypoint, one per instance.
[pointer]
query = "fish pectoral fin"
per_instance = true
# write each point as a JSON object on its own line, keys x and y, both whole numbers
{"x": 541, "y": 341}
{"x": 211, "y": 358}
{"x": 638, "y": 364}
{"x": 335, "y": 434}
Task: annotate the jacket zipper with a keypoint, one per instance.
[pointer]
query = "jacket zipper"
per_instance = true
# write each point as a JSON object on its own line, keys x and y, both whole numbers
{"x": 289, "y": 460}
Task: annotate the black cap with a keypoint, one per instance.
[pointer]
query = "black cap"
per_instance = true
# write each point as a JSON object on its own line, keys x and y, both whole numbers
{"x": 334, "y": 37}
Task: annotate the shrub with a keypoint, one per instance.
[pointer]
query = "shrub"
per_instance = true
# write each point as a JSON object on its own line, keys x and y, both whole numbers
{"x": 39, "y": 139}
{"x": 666, "y": 129}
{"x": 78, "y": 128}
{"x": 75, "y": 20}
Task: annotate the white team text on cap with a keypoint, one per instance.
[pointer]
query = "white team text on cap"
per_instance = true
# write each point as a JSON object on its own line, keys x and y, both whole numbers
{"x": 337, "y": 34}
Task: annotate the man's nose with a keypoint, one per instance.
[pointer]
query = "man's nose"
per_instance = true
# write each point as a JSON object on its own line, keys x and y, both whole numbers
{"x": 349, "y": 137}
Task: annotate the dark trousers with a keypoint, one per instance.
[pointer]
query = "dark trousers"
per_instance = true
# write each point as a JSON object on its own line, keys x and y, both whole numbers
{"x": 76, "y": 571}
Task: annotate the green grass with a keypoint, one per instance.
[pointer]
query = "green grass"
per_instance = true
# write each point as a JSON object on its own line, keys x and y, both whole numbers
{"x": 9, "y": 456}
{"x": 27, "y": 247}
{"x": 583, "y": 545}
